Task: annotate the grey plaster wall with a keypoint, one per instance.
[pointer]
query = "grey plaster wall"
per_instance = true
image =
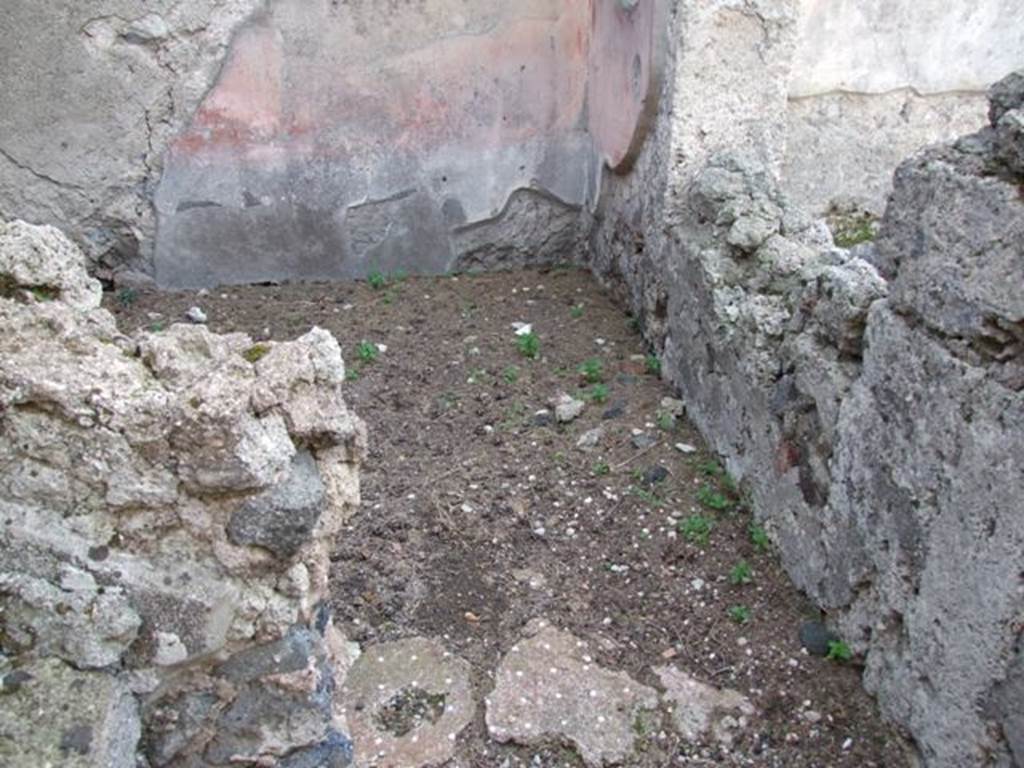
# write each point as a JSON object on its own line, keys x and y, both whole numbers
{"x": 873, "y": 82}
{"x": 91, "y": 95}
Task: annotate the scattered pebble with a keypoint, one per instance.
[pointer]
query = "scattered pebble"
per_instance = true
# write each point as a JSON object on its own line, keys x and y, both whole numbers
{"x": 567, "y": 408}
{"x": 615, "y": 410}
{"x": 589, "y": 440}
{"x": 815, "y": 637}
{"x": 655, "y": 475}
{"x": 674, "y": 407}
{"x": 644, "y": 441}
{"x": 196, "y": 315}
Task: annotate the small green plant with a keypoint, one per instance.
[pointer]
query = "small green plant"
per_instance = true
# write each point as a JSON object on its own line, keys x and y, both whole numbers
{"x": 853, "y": 229}
{"x": 635, "y": 324}
{"x": 157, "y": 327}
{"x": 666, "y": 421}
{"x": 510, "y": 374}
{"x": 376, "y": 280}
{"x": 598, "y": 393}
{"x": 759, "y": 537}
{"x": 740, "y": 614}
{"x": 601, "y": 468}
{"x": 741, "y": 574}
{"x": 647, "y": 497}
{"x": 576, "y": 312}
{"x": 255, "y": 353}
{"x": 127, "y": 296}
{"x": 399, "y": 276}
{"x": 514, "y": 415}
{"x": 838, "y": 651}
{"x": 713, "y": 499}
{"x": 711, "y": 468}
{"x": 44, "y": 293}
{"x": 696, "y": 529}
{"x": 8, "y": 287}
{"x": 528, "y": 345}
{"x": 352, "y": 374}
{"x": 592, "y": 371}
{"x": 367, "y": 352}
{"x": 478, "y": 376}
{"x": 652, "y": 365}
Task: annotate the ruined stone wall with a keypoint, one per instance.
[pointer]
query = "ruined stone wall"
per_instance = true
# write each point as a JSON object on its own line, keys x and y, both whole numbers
{"x": 870, "y": 401}
{"x": 167, "y": 501}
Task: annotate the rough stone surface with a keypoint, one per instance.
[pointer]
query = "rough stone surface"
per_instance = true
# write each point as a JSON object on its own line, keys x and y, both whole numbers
{"x": 60, "y": 716}
{"x": 567, "y": 408}
{"x": 699, "y": 710}
{"x": 285, "y": 517}
{"x": 168, "y": 501}
{"x": 872, "y": 409}
{"x": 532, "y": 229}
{"x": 548, "y": 688}
{"x": 43, "y": 260}
{"x": 842, "y": 147}
{"x": 406, "y": 703}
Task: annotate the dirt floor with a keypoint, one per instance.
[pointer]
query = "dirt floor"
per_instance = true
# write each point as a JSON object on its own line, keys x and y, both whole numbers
{"x": 479, "y": 514}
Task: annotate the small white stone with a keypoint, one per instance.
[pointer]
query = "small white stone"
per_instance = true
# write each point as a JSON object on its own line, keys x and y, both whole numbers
{"x": 196, "y": 315}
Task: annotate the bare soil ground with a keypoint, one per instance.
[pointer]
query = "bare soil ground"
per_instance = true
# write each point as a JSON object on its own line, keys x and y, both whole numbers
{"x": 478, "y": 515}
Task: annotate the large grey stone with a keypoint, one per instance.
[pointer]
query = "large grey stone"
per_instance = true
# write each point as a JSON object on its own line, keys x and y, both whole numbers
{"x": 548, "y": 688}
{"x": 700, "y": 710}
{"x": 333, "y": 752}
{"x": 406, "y": 702}
{"x": 265, "y": 721}
{"x": 291, "y": 653}
{"x": 60, "y": 716}
{"x": 173, "y": 723}
{"x": 283, "y": 518}
{"x": 43, "y": 260}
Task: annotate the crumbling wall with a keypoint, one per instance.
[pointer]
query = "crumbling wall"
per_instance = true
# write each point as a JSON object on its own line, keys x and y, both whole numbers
{"x": 167, "y": 503}
{"x": 870, "y": 400}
